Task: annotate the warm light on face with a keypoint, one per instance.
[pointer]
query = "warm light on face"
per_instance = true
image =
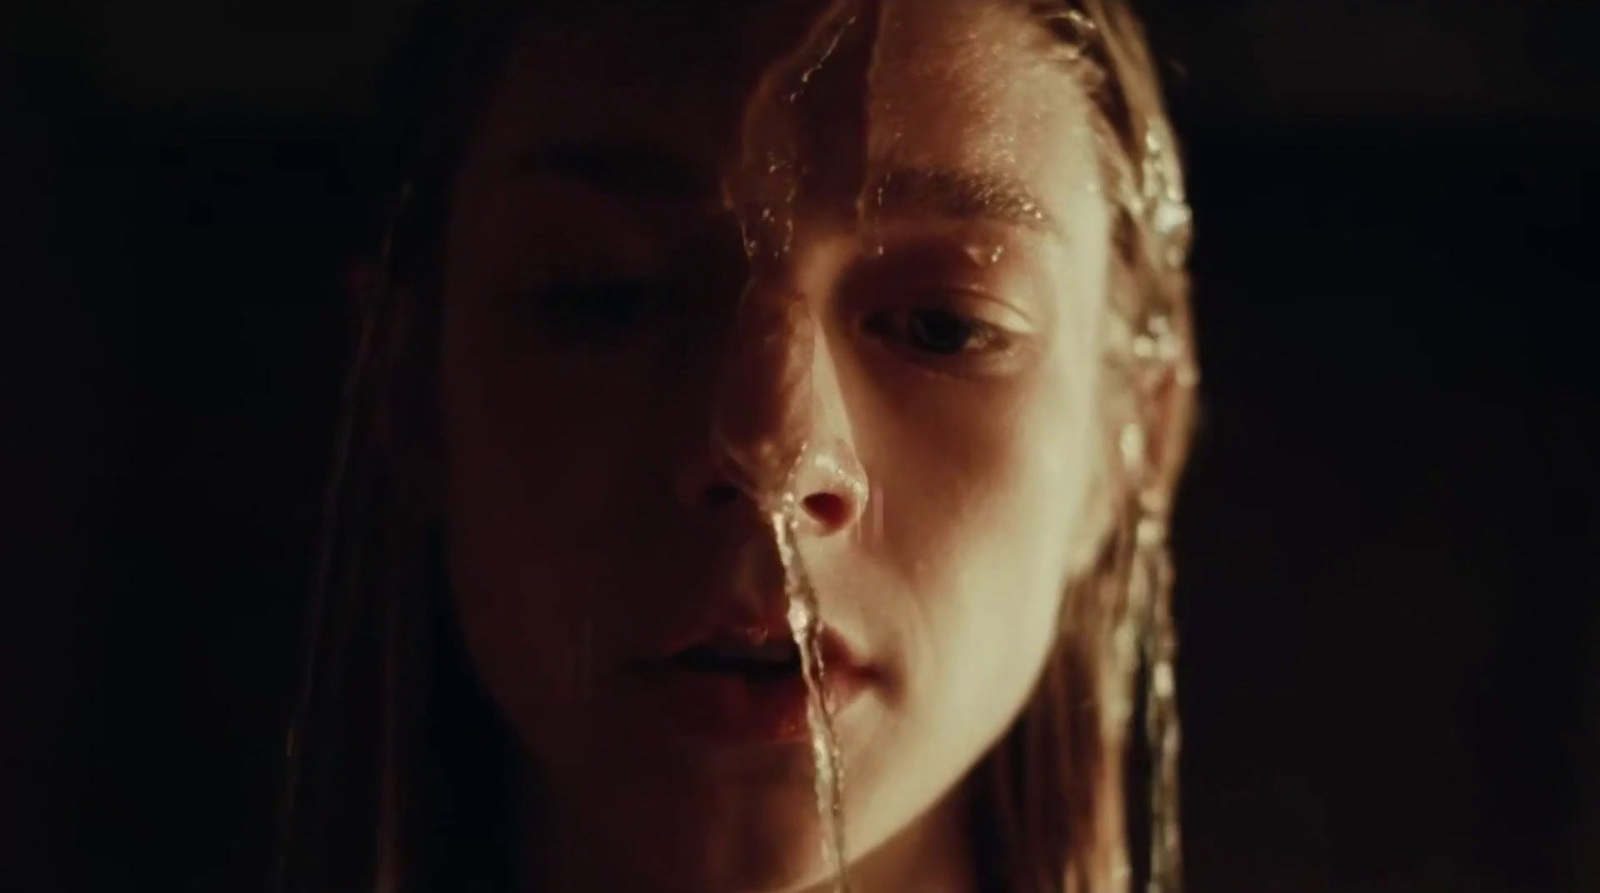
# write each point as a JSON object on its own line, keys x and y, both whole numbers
{"x": 900, "y": 282}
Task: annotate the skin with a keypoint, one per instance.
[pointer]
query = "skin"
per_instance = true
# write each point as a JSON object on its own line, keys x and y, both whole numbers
{"x": 607, "y": 471}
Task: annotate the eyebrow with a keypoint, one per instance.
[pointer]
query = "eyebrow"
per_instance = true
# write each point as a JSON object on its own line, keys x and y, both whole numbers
{"x": 960, "y": 194}
{"x": 636, "y": 169}
{"x": 647, "y": 171}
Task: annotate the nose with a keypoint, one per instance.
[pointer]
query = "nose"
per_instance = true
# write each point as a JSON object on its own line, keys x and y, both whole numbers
{"x": 779, "y": 426}
{"x": 829, "y": 486}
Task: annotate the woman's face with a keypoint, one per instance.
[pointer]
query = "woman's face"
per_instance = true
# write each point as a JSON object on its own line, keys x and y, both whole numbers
{"x": 625, "y": 392}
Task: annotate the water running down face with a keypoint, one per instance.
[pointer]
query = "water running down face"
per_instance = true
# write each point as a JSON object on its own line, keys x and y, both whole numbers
{"x": 625, "y": 392}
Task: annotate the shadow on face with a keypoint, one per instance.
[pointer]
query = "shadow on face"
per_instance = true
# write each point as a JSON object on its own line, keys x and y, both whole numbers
{"x": 858, "y": 253}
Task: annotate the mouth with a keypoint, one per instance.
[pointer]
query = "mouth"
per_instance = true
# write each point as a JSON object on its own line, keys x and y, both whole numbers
{"x": 744, "y": 684}
{"x": 772, "y": 658}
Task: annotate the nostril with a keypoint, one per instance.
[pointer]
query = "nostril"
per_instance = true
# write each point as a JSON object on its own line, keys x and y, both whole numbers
{"x": 830, "y": 510}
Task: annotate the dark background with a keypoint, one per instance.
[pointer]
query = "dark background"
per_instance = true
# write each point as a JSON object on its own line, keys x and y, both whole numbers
{"x": 1389, "y": 598}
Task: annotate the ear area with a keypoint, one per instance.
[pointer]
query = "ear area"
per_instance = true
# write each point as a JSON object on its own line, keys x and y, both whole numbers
{"x": 1167, "y": 402}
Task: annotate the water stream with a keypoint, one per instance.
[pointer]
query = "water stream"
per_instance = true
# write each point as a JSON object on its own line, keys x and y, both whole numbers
{"x": 768, "y": 237}
{"x": 1150, "y": 587}
{"x": 805, "y": 623}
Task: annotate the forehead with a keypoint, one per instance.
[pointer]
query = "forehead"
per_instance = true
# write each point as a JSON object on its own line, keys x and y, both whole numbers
{"x": 980, "y": 79}
{"x": 644, "y": 74}
{"x": 941, "y": 82}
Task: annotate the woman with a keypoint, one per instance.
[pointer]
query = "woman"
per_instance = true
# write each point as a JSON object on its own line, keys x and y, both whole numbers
{"x": 912, "y": 269}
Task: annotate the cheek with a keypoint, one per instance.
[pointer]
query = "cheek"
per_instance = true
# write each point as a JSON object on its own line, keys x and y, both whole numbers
{"x": 983, "y": 501}
{"x": 980, "y": 498}
{"x": 534, "y": 475}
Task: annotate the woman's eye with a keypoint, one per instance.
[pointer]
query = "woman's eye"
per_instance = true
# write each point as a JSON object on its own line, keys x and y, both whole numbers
{"x": 936, "y": 334}
{"x": 598, "y": 312}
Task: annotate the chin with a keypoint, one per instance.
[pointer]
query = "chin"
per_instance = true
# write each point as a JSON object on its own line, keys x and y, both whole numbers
{"x": 709, "y": 860}
{"x": 790, "y": 864}
{"x": 707, "y": 834}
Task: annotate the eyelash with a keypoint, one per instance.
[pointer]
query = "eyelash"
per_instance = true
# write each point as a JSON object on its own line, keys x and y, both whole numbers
{"x": 900, "y": 330}
{"x": 580, "y": 312}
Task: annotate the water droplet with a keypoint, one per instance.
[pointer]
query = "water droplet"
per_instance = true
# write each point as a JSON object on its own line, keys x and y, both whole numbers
{"x": 1082, "y": 22}
{"x": 1169, "y": 216}
{"x": 1161, "y": 680}
{"x": 1150, "y": 532}
{"x": 984, "y": 255}
{"x": 1132, "y": 444}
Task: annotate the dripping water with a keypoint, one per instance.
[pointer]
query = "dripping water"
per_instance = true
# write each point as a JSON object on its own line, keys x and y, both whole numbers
{"x": 1170, "y": 219}
{"x": 985, "y": 255}
{"x": 1150, "y": 591}
{"x": 843, "y": 17}
{"x": 805, "y": 624}
{"x": 805, "y": 621}
{"x": 1153, "y": 648}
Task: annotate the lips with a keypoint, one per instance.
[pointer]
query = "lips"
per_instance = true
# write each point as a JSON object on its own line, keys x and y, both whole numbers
{"x": 761, "y": 654}
{"x": 741, "y": 682}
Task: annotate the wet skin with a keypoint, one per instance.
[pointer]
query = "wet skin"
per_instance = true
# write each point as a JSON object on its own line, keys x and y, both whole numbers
{"x": 624, "y": 392}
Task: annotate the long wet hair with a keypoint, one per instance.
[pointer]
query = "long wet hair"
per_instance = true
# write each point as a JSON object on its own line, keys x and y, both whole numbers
{"x": 400, "y": 767}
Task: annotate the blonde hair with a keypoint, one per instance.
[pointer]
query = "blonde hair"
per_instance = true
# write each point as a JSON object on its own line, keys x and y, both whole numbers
{"x": 375, "y": 797}
{"x": 1053, "y": 789}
